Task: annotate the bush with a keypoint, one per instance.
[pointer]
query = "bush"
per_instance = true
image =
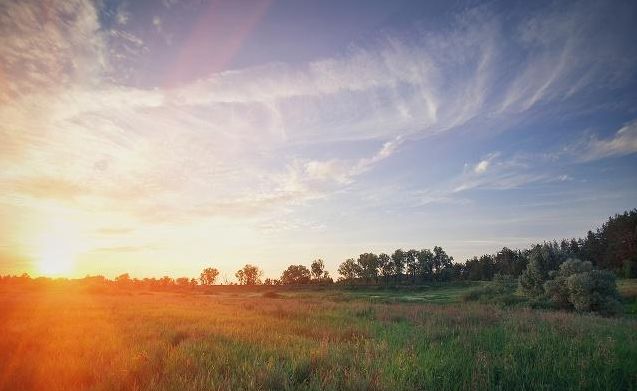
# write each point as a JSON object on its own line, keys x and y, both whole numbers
{"x": 556, "y": 289}
{"x": 575, "y": 285}
{"x": 594, "y": 291}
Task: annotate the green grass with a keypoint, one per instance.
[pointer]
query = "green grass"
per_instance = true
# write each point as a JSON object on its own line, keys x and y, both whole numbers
{"x": 628, "y": 290}
{"x": 350, "y": 339}
{"x": 434, "y": 293}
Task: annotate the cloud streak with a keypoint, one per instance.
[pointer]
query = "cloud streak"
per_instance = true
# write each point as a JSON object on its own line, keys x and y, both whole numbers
{"x": 623, "y": 142}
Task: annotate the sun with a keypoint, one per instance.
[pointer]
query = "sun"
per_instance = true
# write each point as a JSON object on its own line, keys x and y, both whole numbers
{"x": 55, "y": 264}
{"x": 56, "y": 252}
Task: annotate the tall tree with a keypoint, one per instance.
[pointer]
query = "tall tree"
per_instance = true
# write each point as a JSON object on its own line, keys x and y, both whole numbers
{"x": 398, "y": 259}
{"x": 442, "y": 264}
{"x": 425, "y": 264}
{"x": 385, "y": 266}
{"x": 411, "y": 263}
{"x": 368, "y": 263}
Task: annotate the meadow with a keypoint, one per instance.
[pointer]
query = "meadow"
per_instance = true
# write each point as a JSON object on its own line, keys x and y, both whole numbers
{"x": 311, "y": 339}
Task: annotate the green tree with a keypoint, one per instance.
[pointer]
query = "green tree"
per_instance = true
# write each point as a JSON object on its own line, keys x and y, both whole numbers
{"x": 542, "y": 259}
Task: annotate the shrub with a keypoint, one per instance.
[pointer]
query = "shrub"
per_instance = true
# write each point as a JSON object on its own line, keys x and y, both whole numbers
{"x": 575, "y": 285}
{"x": 556, "y": 289}
{"x": 594, "y": 291}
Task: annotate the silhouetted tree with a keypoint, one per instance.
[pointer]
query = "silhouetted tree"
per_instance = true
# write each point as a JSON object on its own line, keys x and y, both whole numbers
{"x": 385, "y": 266}
{"x": 209, "y": 276}
{"x": 425, "y": 264}
{"x": 398, "y": 259}
{"x": 442, "y": 264}
{"x": 318, "y": 269}
{"x": 349, "y": 270}
{"x": 368, "y": 269}
{"x": 249, "y": 275}
{"x": 295, "y": 274}
{"x": 411, "y": 263}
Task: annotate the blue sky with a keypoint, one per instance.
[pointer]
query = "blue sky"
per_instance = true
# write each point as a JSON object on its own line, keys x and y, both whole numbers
{"x": 158, "y": 137}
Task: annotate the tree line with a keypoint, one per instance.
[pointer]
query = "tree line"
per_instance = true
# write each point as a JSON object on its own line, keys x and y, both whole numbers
{"x": 613, "y": 247}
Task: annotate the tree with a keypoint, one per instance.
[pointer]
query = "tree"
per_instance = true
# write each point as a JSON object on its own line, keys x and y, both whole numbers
{"x": 209, "y": 276}
{"x": 385, "y": 266}
{"x": 295, "y": 274}
{"x": 349, "y": 270}
{"x": 411, "y": 262}
{"x": 442, "y": 264}
{"x": 398, "y": 258}
{"x": 368, "y": 263}
{"x": 249, "y": 275}
{"x": 542, "y": 259}
{"x": 425, "y": 264}
{"x": 534, "y": 276}
{"x": 318, "y": 269}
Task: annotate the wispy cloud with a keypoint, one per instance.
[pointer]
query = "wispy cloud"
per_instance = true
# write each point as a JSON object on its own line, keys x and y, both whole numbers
{"x": 245, "y": 143}
{"x": 623, "y": 142}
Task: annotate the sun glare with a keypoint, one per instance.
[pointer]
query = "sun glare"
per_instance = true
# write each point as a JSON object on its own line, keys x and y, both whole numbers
{"x": 57, "y": 250}
{"x": 55, "y": 264}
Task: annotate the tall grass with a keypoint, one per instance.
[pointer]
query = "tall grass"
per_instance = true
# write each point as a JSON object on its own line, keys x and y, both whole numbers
{"x": 72, "y": 340}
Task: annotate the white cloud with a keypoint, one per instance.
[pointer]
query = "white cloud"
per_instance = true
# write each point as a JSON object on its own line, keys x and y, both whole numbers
{"x": 481, "y": 167}
{"x": 45, "y": 45}
{"x": 624, "y": 142}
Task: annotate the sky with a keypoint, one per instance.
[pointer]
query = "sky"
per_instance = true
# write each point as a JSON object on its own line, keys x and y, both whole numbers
{"x": 160, "y": 137}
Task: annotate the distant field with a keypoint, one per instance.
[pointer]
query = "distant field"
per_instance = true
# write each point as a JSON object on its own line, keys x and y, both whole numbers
{"x": 307, "y": 339}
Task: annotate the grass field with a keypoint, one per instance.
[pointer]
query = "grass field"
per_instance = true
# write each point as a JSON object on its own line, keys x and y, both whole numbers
{"x": 311, "y": 339}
